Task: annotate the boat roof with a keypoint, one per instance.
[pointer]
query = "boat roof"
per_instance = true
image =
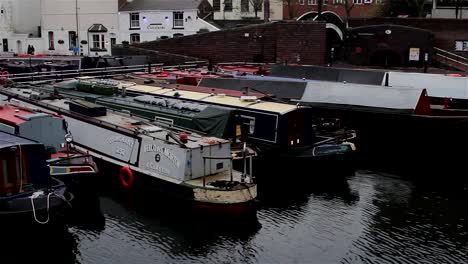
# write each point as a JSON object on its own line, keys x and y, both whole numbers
{"x": 320, "y": 73}
{"x": 437, "y": 85}
{"x": 9, "y": 140}
{"x": 288, "y": 89}
{"x": 140, "y": 126}
{"x": 16, "y": 115}
{"x": 221, "y": 99}
{"x": 401, "y": 98}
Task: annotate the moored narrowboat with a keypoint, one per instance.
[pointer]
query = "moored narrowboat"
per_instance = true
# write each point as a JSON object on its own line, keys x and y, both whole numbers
{"x": 278, "y": 131}
{"x": 27, "y": 190}
{"x": 142, "y": 157}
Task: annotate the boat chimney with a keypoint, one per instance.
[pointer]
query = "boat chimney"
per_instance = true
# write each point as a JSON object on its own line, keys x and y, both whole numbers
{"x": 183, "y": 137}
{"x": 124, "y": 91}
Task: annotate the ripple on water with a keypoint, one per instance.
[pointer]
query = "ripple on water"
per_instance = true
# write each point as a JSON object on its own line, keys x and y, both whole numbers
{"x": 368, "y": 218}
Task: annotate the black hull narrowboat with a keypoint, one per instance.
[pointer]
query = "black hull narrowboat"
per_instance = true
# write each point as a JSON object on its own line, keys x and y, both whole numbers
{"x": 400, "y": 134}
{"x": 275, "y": 130}
{"x": 27, "y": 192}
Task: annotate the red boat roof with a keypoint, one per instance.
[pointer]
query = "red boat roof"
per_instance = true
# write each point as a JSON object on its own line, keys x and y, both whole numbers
{"x": 15, "y": 115}
{"x": 10, "y": 114}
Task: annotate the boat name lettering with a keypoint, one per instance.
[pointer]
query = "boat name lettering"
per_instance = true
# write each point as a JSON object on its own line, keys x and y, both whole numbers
{"x": 125, "y": 140}
{"x": 120, "y": 151}
{"x": 155, "y": 167}
{"x": 164, "y": 151}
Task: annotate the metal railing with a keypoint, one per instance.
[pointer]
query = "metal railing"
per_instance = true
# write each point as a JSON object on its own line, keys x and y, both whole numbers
{"x": 452, "y": 57}
{"x": 96, "y": 72}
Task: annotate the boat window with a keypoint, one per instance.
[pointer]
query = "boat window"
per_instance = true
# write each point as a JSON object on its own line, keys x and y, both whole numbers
{"x": 296, "y": 129}
{"x": 163, "y": 120}
{"x": 250, "y": 122}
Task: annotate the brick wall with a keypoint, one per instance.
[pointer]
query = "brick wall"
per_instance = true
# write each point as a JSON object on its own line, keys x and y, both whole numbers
{"x": 446, "y": 31}
{"x": 277, "y": 42}
{"x": 153, "y": 56}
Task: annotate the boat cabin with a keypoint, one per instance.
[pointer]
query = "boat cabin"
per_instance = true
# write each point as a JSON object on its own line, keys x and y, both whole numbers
{"x": 265, "y": 123}
{"x": 22, "y": 165}
{"x": 26, "y": 122}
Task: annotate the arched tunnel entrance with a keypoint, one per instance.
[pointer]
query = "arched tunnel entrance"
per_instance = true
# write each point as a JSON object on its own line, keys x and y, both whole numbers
{"x": 335, "y": 28}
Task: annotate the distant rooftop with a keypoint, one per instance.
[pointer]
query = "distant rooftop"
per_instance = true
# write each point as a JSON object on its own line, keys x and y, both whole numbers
{"x": 139, "y": 5}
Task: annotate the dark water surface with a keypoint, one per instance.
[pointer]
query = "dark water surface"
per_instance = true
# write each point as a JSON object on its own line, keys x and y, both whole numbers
{"x": 368, "y": 218}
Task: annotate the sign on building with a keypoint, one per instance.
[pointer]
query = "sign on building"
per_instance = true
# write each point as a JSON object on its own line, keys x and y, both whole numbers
{"x": 414, "y": 54}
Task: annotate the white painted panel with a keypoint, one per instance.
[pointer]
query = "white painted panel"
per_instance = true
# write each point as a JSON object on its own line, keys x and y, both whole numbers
{"x": 168, "y": 160}
{"x": 116, "y": 145}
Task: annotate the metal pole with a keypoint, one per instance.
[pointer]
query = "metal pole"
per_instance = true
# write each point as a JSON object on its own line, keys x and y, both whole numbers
{"x": 232, "y": 179}
{"x": 77, "y": 26}
{"x": 204, "y": 171}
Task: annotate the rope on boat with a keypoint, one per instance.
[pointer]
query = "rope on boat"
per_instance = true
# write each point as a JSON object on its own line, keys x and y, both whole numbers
{"x": 34, "y": 196}
{"x": 38, "y": 194}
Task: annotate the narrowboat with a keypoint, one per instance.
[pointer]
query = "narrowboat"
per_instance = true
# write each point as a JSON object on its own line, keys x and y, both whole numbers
{"x": 76, "y": 169}
{"x": 421, "y": 140}
{"x": 279, "y": 132}
{"x": 144, "y": 158}
{"x": 414, "y": 124}
{"x": 27, "y": 190}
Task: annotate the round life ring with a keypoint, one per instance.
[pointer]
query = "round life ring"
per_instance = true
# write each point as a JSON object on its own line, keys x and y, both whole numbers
{"x": 126, "y": 177}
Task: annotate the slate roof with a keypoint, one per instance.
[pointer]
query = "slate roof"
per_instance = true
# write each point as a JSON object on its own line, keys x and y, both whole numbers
{"x": 140, "y": 5}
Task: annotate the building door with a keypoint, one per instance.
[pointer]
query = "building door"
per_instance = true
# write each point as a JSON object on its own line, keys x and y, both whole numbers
{"x": 5, "y": 45}
{"x": 113, "y": 41}
{"x": 20, "y": 47}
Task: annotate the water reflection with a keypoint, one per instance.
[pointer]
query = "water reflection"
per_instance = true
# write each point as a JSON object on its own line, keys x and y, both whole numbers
{"x": 86, "y": 213}
{"x": 151, "y": 234}
{"x": 366, "y": 218}
{"x": 412, "y": 224}
{"x": 52, "y": 243}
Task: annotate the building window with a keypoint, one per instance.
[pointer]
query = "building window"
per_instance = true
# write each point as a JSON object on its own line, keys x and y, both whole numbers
{"x": 176, "y": 35}
{"x": 338, "y": 2}
{"x": 357, "y": 2}
{"x": 301, "y": 2}
{"x": 51, "y": 40}
{"x": 98, "y": 42}
{"x": 312, "y": 2}
{"x": 227, "y": 5}
{"x": 244, "y": 5}
{"x": 216, "y": 5}
{"x": 461, "y": 45}
{"x": 178, "y": 19}
{"x": 380, "y": 2}
{"x": 134, "y": 20}
{"x": 134, "y": 38}
{"x": 2, "y": 11}
{"x": 72, "y": 39}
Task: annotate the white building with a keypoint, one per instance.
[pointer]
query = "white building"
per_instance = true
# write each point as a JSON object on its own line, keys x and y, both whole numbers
{"x": 448, "y": 9}
{"x": 143, "y": 20}
{"x": 19, "y": 26}
{"x": 91, "y": 26}
{"x": 245, "y": 9}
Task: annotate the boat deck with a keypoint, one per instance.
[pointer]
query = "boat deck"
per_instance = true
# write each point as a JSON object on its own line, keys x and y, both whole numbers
{"x": 222, "y": 176}
{"x": 141, "y": 127}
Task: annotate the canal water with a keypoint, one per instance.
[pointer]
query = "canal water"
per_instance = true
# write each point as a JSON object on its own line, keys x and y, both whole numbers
{"x": 366, "y": 218}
